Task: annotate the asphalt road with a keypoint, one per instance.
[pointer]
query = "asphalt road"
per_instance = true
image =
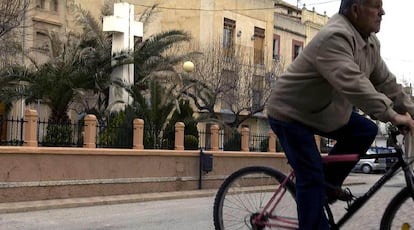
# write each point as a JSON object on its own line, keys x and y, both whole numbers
{"x": 177, "y": 214}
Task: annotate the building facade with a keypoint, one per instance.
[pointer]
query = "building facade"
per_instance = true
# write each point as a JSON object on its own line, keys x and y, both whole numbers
{"x": 271, "y": 33}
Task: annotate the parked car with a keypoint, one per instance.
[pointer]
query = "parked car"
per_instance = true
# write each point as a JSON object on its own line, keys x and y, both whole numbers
{"x": 376, "y": 164}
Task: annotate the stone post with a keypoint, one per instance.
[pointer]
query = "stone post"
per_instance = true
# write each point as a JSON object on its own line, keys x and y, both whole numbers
{"x": 272, "y": 141}
{"x": 179, "y": 136}
{"x": 89, "y": 139}
{"x": 245, "y": 139}
{"x": 30, "y": 128}
{"x": 214, "y": 137}
{"x": 138, "y": 134}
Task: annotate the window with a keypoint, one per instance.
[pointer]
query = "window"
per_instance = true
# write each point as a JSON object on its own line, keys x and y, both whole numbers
{"x": 276, "y": 47}
{"x": 54, "y": 5}
{"x": 228, "y": 36}
{"x": 259, "y": 35}
{"x": 42, "y": 41}
{"x": 297, "y": 47}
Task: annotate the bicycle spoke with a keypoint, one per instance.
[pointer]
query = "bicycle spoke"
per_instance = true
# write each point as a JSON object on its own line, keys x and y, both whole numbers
{"x": 240, "y": 202}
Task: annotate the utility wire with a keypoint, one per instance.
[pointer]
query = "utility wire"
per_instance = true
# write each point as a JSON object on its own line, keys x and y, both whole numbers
{"x": 322, "y": 3}
{"x": 198, "y": 9}
{"x": 230, "y": 9}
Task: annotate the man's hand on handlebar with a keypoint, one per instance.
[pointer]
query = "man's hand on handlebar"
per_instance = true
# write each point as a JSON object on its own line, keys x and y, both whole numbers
{"x": 404, "y": 123}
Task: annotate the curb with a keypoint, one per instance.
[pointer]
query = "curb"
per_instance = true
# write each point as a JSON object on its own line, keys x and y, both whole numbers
{"x": 12, "y": 207}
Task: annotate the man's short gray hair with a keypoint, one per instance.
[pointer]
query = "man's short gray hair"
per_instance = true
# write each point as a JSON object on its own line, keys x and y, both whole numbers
{"x": 346, "y": 5}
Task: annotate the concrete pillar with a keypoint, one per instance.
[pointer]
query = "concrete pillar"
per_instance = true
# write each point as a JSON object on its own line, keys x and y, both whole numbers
{"x": 179, "y": 136}
{"x": 214, "y": 137}
{"x": 272, "y": 141}
{"x": 245, "y": 139}
{"x": 138, "y": 142}
{"x": 89, "y": 140}
{"x": 30, "y": 128}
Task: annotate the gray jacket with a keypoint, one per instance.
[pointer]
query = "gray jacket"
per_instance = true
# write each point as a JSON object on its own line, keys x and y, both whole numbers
{"x": 337, "y": 70}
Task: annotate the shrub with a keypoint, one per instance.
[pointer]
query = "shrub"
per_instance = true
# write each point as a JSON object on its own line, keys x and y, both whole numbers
{"x": 58, "y": 135}
{"x": 234, "y": 142}
{"x": 190, "y": 142}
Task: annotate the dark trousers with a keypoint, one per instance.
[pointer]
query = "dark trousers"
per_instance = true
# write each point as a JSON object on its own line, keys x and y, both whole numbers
{"x": 302, "y": 153}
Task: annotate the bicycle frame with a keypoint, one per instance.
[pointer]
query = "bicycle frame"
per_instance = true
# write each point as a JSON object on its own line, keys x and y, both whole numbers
{"x": 360, "y": 201}
{"x": 287, "y": 223}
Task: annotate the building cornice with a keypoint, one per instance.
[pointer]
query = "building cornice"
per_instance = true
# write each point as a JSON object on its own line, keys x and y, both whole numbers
{"x": 46, "y": 20}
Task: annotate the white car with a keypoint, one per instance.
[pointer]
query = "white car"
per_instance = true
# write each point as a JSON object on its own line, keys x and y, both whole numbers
{"x": 369, "y": 165}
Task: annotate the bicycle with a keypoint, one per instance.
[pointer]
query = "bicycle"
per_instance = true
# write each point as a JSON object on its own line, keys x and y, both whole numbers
{"x": 260, "y": 197}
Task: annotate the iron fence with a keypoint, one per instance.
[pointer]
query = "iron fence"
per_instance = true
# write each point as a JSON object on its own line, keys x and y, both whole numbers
{"x": 121, "y": 136}
{"x": 113, "y": 136}
{"x": 259, "y": 143}
{"x": 68, "y": 134}
{"x": 11, "y": 131}
{"x": 231, "y": 141}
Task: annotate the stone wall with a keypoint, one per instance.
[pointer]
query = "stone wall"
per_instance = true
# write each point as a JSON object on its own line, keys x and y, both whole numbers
{"x": 38, "y": 173}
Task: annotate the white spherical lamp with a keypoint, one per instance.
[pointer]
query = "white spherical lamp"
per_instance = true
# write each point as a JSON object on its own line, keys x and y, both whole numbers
{"x": 188, "y": 66}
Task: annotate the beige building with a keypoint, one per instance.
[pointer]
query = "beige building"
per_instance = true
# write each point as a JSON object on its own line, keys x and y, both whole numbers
{"x": 271, "y": 31}
{"x": 294, "y": 28}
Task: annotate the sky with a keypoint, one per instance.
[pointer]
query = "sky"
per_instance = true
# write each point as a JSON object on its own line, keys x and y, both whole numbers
{"x": 396, "y": 41}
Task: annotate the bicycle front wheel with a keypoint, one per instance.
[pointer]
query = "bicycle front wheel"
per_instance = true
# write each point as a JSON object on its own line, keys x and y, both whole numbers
{"x": 245, "y": 193}
{"x": 399, "y": 214}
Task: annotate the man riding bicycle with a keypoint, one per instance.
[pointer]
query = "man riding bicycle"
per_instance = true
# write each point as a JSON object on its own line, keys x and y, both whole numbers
{"x": 339, "y": 70}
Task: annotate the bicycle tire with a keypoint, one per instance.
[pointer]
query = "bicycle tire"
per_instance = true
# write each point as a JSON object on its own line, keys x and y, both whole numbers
{"x": 238, "y": 199}
{"x": 399, "y": 212}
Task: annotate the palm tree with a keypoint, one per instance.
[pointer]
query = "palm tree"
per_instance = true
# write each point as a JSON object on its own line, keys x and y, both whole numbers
{"x": 81, "y": 65}
{"x": 56, "y": 83}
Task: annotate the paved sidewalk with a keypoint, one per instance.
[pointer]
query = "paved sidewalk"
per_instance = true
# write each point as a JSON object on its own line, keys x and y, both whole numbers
{"x": 119, "y": 199}
{"x": 99, "y": 200}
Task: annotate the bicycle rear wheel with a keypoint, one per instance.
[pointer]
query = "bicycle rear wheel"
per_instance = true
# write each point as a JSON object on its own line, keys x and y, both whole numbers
{"x": 399, "y": 213}
{"x": 245, "y": 193}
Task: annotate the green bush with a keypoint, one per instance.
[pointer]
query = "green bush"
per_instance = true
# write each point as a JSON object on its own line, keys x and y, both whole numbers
{"x": 190, "y": 142}
{"x": 118, "y": 132}
{"x": 58, "y": 135}
{"x": 233, "y": 143}
{"x": 264, "y": 145}
{"x": 186, "y": 116}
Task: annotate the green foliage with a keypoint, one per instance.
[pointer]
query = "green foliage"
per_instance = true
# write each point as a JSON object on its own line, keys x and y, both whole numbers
{"x": 234, "y": 142}
{"x": 118, "y": 132}
{"x": 58, "y": 135}
{"x": 185, "y": 115}
{"x": 190, "y": 142}
{"x": 81, "y": 64}
{"x": 264, "y": 145}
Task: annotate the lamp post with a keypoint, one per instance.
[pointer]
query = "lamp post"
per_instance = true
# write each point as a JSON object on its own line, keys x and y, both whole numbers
{"x": 188, "y": 66}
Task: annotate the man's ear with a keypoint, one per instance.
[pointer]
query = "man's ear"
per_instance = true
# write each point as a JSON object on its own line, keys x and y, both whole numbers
{"x": 355, "y": 11}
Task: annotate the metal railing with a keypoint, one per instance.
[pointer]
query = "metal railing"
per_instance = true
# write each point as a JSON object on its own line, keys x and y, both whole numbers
{"x": 113, "y": 136}
{"x": 11, "y": 132}
{"x": 71, "y": 135}
{"x": 232, "y": 141}
{"x": 59, "y": 134}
